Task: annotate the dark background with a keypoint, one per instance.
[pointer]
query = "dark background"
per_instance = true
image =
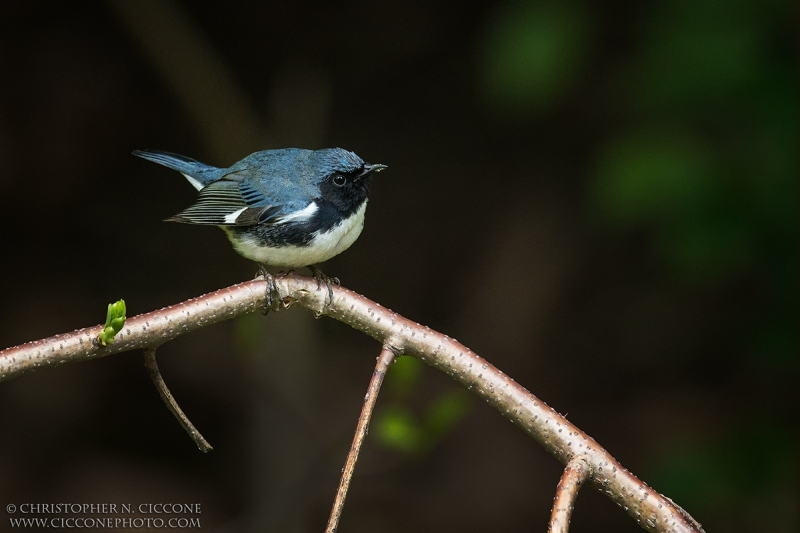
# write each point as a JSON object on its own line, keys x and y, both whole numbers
{"x": 601, "y": 198}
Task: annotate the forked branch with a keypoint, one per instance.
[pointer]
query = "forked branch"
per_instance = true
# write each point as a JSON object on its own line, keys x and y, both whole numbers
{"x": 556, "y": 434}
{"x": 575, "y": 473}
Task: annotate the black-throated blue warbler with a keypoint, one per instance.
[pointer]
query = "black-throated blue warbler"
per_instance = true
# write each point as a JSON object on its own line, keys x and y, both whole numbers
{"x": 286, "y": 208}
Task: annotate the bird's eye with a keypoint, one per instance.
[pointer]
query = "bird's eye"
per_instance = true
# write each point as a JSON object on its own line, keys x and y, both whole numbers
{"x": 339, "y": 180}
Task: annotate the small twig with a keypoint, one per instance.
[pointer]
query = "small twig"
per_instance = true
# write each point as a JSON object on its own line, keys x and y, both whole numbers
{"x": 172, "y": 405}
{"x": 384, "y": 360}
{"x": 576, "y": 472}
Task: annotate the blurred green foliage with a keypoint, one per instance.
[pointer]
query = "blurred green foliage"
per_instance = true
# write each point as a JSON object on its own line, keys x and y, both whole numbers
{"x": 655, "y": 177}
{"x": 702, "y": 159}
{"x": 675, "y": 185}
{"x": 752, "y": 469}
{"x": 403, "y": 376}
{"x": 724, "y": 180}
{"x": 696, "y": 56}
{"x": 719, "y": 195}
{"x": 398, "y": 429}
{"x": 396, "y": 424}
{"x": 533, "y": 52}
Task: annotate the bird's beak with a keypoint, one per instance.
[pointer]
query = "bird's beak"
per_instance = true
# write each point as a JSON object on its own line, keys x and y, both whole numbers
{"x": 368, "y": 169}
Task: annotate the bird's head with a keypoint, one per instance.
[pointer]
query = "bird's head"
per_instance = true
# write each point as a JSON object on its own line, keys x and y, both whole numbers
{"x": 343, "y": 177}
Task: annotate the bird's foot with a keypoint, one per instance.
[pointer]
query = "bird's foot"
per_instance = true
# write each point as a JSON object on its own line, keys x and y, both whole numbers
{"x": 322, "y": 278}
{"x": 273, "y": 295}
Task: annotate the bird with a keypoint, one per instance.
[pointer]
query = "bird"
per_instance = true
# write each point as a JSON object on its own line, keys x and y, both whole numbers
{"x": 284, "y": 208}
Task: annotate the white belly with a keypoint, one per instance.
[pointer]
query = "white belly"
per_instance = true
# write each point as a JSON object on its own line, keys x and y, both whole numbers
{"x": 321, "y": 248}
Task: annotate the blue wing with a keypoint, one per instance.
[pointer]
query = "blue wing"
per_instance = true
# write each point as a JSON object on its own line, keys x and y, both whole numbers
{"x": 226, "y": 203}
{"x": 242, "y": 195}
{"x": 236, "y": 201}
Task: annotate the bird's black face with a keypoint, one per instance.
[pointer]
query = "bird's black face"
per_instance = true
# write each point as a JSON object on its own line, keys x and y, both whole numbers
{"x": 346, "y": 191}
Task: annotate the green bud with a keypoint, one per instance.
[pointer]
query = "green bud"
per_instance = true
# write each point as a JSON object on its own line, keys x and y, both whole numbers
{"x": 115, "y": 320}
{"x": 109, "y": 314}
{"x": 117, "y": 323}
{"x": 106, "y": 336}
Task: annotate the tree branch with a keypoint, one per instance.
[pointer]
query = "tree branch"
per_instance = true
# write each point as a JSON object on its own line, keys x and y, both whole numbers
{"x": 384, "y": 360}
{"x": 576, "y": 472}
{"x": 556, "y": 434}
{"x": 155, "y": 374}
{"x": 142, "y": 331}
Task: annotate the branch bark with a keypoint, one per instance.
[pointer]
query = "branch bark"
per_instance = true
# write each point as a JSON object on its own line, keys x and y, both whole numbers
{"x": 155, "y": 374}
{"x": 575, "y": 474}
{"x": 556, "y": 434}
{"x": 384, "y": 360}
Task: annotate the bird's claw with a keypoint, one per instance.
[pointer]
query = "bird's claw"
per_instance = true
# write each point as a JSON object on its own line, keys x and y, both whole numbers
{"x": 273, "y": 295}
{"x": 327, "y": 280}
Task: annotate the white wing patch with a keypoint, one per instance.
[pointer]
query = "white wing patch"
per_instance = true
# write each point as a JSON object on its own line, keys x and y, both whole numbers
{"x": 196, "y": 184}
{"x": 231, "y": 219}
{"x": 300, "y": 216}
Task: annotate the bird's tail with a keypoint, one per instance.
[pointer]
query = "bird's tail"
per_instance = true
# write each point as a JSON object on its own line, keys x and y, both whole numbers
{"x": 199, "y": 174}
